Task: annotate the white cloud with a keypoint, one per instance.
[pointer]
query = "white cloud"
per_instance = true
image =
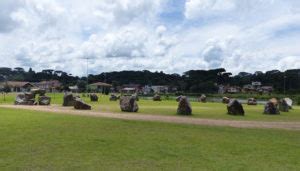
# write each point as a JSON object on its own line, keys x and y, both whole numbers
{"x": 133, "y": 34}
{"x": 202, "y": 8}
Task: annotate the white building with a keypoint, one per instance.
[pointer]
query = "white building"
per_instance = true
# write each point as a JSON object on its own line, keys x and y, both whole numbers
{"x": 155, "y": 89}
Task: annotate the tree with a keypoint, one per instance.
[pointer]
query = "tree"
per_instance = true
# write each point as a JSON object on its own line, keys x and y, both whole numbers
{"x": 81, "y": 85}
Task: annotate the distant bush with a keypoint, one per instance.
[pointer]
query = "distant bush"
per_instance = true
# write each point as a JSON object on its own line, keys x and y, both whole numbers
{"x": 298, "y": 100}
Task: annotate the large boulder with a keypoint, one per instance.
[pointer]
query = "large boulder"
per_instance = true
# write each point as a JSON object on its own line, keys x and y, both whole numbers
{"x": 44, "y": 100}
{"x": 184, "y": 106}
{"x": 94, "y": 97}
{"x": 274, "y": 101}
{"x": 178, "y": 98}
{"x": 29, "y": 96}
{"x": 156, "y": 97}
{"x": 79, "y": 104}
{"x": 20, "y": 99}
{"x": 136, "y": 97}
{"x": 40, "y": 92}
{"x": 283, "y": 106}
{"x": 271, "y": 108}
{"x": 25, "y": 99}
{"x": 225, "y": 100}
{"x": 202, "y": 98}
{"x": 289, "y": 102}
{"x": 252, "y": 101}
{"x": 128, "y": 104}
{"x": 113, "y": 97}
{"x": 69, "y": 100}
{"x": 234, "y": 107}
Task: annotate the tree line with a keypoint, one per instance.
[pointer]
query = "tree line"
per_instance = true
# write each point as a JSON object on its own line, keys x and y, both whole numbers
{"x": 193, "y": 81}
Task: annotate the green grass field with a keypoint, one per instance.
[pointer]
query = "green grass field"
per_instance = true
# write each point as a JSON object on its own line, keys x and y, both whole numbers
{"x": 169, "y": 107}
{"x": 44, "y": 141}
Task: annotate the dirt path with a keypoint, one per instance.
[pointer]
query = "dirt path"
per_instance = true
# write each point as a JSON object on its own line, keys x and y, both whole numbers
{"x": 158, "y": 118}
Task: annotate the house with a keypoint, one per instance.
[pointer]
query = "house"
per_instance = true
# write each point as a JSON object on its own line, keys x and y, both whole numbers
{"x": 74, "y": 89}
{"x": 256, "y": 84}
{"x": 221, "y": 89}
{"x": 155, "y": 89}
{"x": 147, "y": 90}
{"x": 100, "y": 87}
{"x": 249, "y": 88}
{"x": 49, "y": 86}
{"x": 160, "y": 89}
{"x": 266, "y": 89}
{"x": 228, "y": 89}
{"x": 18, "y": 86}
{"x": 131, "y": 88}
{"x": 233, "y": 89}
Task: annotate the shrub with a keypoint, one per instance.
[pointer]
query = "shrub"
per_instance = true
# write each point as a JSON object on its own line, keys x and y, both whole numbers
{"x": 298, "y": 100}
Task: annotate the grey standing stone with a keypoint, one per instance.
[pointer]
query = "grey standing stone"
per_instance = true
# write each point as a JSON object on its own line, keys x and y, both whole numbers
{"x": 234, "y": 107}
{"x": 184, "y": 106}
{"x": 128, "y": 104}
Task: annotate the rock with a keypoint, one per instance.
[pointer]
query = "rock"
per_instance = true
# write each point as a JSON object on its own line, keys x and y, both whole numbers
{"x": 274, "y": 101}
{"x": 156, "y": 97}
{"x": 252, "y": 101}
{"x": 44, "y": 100}
{"x": 234, "y": 107}
{"x": 40, "y": 92}
{"x": 29, "y": 96}
{"x": 94, "y": 97}
{"x": 128, "y": 104}
{"x": 184, "y": 106}
{"x": 113, "y": 97}
{"x": 289, "y": 102}
{"x": 136, "y": 97}
{"x": 69, "y": 99}
{"x": 79, "y": 104}
{"x": 25, "y": 99}
{"x": 283, "y": 106}
{"x": 178, "y": 98}
{"x": 202, "y": 98}
{"x": 20, "y": 99}
{"x": 271, "y": 108}
{"x": 225, "y": 100}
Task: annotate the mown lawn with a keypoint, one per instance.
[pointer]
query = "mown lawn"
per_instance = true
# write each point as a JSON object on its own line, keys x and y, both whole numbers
{"x": 169, "y": 107}
{"x": 43, "y": 141}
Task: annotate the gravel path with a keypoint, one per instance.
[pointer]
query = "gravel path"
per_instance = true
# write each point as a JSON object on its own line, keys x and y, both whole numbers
{"x": 159, "y": 118}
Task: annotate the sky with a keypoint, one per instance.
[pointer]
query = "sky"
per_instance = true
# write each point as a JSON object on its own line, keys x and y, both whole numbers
{"x": 157, "y": 35}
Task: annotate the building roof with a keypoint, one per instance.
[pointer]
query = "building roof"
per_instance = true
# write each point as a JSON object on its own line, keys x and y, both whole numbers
{"x": 17, "y": 83}
{"x": 129, "y": 89}
{"x": 73, "y": 87}
{"x": 50, "y": 82}
{"x": 101, "y": 84}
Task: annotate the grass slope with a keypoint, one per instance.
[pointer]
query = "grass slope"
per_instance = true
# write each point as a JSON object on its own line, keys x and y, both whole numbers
{"x": 42, "y": 141}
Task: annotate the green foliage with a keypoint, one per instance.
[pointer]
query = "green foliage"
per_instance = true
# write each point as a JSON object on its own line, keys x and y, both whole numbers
{"x": 81, "y": 85}
{"x": 298, "y": 100}
{"x": 193, "y": 81}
